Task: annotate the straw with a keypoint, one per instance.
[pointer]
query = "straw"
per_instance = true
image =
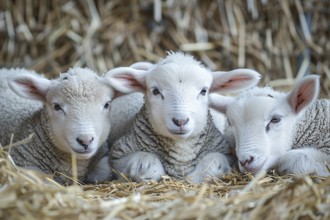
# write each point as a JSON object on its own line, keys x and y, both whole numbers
{"x": 269, "y": 36}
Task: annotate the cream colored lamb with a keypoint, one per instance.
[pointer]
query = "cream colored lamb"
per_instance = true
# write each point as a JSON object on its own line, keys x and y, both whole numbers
{"x": 74, "y": 119}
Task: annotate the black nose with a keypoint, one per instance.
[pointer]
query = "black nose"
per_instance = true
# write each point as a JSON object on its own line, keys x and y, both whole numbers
{"x": 85, "y": 140}
{"x": 180, "y": 122}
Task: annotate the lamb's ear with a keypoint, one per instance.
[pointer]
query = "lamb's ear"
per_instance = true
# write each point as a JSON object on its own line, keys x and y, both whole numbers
{"x": 304, "y": 93}
{"x": 220, "y": 102}
{"x": 142, "y": 65}
{"x": 29, "y": 86}
{"x": 234, "y": 81}
{"x": 126, "y": 79}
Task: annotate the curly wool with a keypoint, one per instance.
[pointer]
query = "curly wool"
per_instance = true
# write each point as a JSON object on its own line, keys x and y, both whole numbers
{"x": 70, "y": 86}
{"x": 123, "y": 112}
{"x": 178, "y": 158}
{"x": 313, "y": 128}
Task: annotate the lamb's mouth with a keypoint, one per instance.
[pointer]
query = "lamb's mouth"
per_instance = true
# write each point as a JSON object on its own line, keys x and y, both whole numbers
{"x": 178, "y": 132}
{"x": 82, "y": 151}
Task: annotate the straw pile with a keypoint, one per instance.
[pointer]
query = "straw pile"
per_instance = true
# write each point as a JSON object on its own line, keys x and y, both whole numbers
{"x": 283, "y": 40}
{"x": 28, "y": 195}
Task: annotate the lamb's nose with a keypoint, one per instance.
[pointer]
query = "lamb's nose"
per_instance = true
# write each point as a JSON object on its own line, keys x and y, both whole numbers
{"x": 247, "y": 162}
{"x": 180, "y": 122}
{"x": 85, "y": 140}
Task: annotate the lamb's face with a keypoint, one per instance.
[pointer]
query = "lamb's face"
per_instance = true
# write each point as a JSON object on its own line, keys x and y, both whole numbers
{"x": 177, "y": 91}
{"x": 177, "y": 99}
{"x": 78, "y": 107}
{"x": 262, "y": 127}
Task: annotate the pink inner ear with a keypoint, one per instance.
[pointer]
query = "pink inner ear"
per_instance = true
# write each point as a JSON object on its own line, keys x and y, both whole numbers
{"x": 304, "y": 96}
{"x": 31, "y": 89}
{"x": 235, "y": 82}
{"x": 131, "y": 81}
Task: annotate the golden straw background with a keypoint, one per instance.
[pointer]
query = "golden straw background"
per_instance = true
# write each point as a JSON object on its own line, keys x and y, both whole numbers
{"x": 283, "y": 40}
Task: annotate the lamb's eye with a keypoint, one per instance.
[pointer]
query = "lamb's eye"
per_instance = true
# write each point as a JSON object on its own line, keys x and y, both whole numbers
{"x": 203, "y": 91}
{"x": 57, "y": 107}
{"x": 155, "y": 91}
{"x": 275, "y": 119}
{"x": 107, "y": 105}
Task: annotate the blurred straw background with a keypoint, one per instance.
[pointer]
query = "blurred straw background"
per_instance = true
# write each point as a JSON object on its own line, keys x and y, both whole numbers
{"x": 283, "y": 40}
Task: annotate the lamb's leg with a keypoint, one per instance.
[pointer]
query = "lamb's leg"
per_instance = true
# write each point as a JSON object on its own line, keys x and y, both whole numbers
{"x": 212, "y": 165}
{"x": 140, "y": 167}
{"x": 304, "y": 161}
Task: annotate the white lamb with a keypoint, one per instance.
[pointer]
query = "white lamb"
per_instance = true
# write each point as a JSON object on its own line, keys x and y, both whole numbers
{"x": 289, "y": 132}
{"x": 75, "y": 118}
{"x": 173, "y": 133}
{"x": 125, "y": 108}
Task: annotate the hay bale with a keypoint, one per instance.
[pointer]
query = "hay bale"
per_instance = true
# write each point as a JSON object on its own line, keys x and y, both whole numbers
{"x": 284, "y": 40}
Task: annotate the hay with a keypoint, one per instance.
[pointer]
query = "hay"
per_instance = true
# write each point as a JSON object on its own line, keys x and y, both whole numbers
{"x": 25, "y": 194}
{"x": 283, "y": 40}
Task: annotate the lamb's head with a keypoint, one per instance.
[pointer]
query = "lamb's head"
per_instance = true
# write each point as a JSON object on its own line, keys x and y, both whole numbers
{"x": 177, "y": 98}
{"x": 262, "y": 121}
{"x": 77, "y": 105}
{"x": 176, "y": 91}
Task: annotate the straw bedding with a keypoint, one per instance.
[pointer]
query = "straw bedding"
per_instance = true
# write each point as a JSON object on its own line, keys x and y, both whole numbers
{"x": 283, "y": 40}
{"x": 28, "y": 195}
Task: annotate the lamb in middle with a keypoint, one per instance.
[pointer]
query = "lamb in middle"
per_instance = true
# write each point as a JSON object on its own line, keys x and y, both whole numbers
{"x": 174, "y": 134}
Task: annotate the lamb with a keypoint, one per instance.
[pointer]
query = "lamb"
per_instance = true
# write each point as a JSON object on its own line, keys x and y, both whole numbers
{"x": 173, "y": 134}
{"x": 126, "y": 106}
{"x": 75, "y": 118}
{"x": 289, "y": 132}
